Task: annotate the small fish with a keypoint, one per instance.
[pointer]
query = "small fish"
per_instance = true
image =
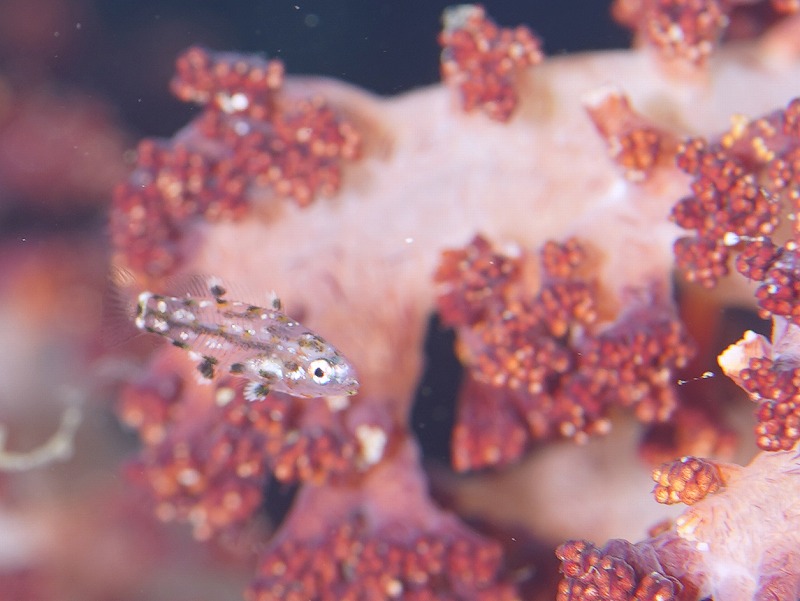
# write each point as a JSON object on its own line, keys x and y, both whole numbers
{"x": 262, "y": 345}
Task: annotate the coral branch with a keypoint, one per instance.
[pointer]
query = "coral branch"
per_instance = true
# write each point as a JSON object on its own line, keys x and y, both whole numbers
{"x": 379, "y": 538}
{"x": 731, "y": 544}
{"x": 770, "y": 374}
{"x": 483, "y": 61}
{"x": 545, "y": 357}
{"x": 737, "y": 541}
{"x": 249, "y": 136}
{"x": 633, "y": 141}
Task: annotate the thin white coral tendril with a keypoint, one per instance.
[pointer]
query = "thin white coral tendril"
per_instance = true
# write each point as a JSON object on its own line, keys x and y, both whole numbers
{"x": 59, "y": 447}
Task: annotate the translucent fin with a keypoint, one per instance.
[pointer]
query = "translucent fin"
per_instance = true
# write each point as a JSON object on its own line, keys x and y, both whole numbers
{"x": 274, "y": 301}
{"x": 205, "y": 286}
{"x": 212, "y": 360}
{"x": 196, "y": 286}
{"x": 119, "y": 309}
{"x": 255, "y": 391}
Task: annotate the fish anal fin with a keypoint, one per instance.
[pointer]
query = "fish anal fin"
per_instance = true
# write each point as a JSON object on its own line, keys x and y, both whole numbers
{"x": 208, "y": 367}
{"x": 255, "y": 391}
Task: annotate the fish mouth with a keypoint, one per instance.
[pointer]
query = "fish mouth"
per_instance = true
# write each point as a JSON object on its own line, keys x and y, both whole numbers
{"x": 351, "y": 384}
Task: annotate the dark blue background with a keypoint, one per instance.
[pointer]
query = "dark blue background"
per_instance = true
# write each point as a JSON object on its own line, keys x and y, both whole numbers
{"x": 126, "y": 48}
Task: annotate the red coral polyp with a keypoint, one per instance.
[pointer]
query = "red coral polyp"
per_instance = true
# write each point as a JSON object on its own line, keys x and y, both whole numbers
{"x": 229, "y": 82}
{"x": 540, "y": 363}
{"x": 778, "y": 268}
{"x": 469, "y": 279}
{"x": 250, "y": 137}
{"x": 687, "y": 480}
{"x": 617, "y": 572}
{"x": 209, "y": 452}
{"x": 774, "y": 387}
{"x": 352, "y": 562}
{"x": 483, "y": 60}
{"x": 743, "y": 186}
{"x": 726, "y": 203}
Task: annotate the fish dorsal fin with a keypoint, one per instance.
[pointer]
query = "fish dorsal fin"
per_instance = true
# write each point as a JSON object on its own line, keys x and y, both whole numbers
{"x": 204, "y": 286}
{"x": 188, "y": 285}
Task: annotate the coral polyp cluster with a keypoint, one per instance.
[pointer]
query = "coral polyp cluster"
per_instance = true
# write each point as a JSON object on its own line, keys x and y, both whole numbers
{"x": 482, "y": 60}
{"x": 542, "y": 359}
{"x": 250, "y": 135}
{"x": 686, "y": 481}
{"x": 619, "y": 570}
{"x": 769, "y": 373}
{"x": 738, "y": 188}
{"x": 689, "y": 31}
{"x": 378, "y": 537}
{"x": 214, "y": 475}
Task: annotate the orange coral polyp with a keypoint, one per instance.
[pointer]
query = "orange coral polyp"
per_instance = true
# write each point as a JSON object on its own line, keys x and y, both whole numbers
{"x": 686, "y": 481}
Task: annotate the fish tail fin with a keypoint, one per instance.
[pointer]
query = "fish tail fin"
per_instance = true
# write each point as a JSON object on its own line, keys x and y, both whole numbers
{"x": 120, "y": 308}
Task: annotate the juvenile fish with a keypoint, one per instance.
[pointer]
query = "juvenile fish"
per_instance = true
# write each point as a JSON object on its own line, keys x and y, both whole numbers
{"x": 262, "y": 345}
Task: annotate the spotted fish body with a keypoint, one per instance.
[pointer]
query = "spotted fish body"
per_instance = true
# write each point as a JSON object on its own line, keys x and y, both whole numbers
{"x": 262, "y": 345}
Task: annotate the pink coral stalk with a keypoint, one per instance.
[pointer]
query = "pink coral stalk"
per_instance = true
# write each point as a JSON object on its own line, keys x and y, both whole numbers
{"x": 735, "y": 542}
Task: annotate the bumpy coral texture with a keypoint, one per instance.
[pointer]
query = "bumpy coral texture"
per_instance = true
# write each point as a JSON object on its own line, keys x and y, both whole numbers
{"x": 758, "y": 502}
{"x": 735, "y": 542}
{"x": 686, "y": 481}
{"x": 544, "y": 363}
{"x": 738, "y": 541}
{"x": 618, "y": 571}
{"x": 482, "y": 59}
{"x": 538, "y": 228}
{"x": 739, "y": 187}
{"x": 249, "y": 136}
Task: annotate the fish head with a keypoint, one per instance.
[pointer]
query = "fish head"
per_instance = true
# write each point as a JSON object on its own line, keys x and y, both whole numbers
{"x": 310, "y": 368}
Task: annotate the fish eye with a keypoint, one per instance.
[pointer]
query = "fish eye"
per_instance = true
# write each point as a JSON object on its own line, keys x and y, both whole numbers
{"x": 321, "y": 371}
